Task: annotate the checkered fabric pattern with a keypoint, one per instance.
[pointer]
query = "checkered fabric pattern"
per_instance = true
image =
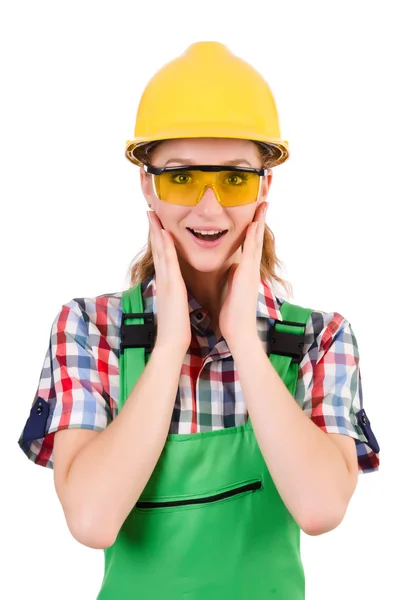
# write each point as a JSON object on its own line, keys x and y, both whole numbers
{"x": 79, "y": 381}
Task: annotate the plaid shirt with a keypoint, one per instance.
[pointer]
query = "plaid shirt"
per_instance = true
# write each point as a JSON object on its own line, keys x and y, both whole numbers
{"x": 79, "y": 381}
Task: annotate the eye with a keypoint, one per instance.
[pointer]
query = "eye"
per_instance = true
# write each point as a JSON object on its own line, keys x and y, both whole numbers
{"x": 180, "y": 177}
{"x": 236, "y": 178}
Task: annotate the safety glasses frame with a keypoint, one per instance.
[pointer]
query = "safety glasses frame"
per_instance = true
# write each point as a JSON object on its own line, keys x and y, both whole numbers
{"x": 159, "y": 170}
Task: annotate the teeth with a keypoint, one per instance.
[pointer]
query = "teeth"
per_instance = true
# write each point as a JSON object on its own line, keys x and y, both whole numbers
{"x": 210, "y": 232}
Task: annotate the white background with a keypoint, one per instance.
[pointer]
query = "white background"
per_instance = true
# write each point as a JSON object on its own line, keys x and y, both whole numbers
{"x": 73, "y": 217}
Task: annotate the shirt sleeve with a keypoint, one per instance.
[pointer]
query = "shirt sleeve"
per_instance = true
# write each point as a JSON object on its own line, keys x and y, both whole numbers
{"x": 70, "y": 393}
{"x": 331, "y": 387}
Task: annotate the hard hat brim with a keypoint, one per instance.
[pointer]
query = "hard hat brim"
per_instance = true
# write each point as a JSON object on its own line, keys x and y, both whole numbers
{"x": 132, "y": 146}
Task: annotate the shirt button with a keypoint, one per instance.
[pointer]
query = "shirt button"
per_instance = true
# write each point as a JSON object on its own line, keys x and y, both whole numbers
{"x": 199, "y": 316}
{"x": 364, "y": 419}
{"x": 39, "y": 409}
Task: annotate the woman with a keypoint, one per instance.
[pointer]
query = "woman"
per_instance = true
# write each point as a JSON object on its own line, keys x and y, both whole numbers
{"x": 194, "y": 440}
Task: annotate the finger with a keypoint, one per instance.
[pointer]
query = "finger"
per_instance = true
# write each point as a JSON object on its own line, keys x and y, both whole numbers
{"x": 171, "y": 257}
{"x": 249, "y": 246}
{"x": 161, "y": 241}
{"x": 251, "y": 235}
{"x": 152, "y": 234}
{"x": 166, "y": 251}
{"x": 255, "y": 237}
{"x": 260, "y": 219}
{"x": 262, "y": 223}
{"x": 156, "y": 247}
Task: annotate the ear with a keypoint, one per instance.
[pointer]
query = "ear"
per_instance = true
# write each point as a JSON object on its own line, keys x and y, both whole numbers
{"x": 266, "y": 183}
{"x": 143, "y": 176}
{"x": 146, "y": 184}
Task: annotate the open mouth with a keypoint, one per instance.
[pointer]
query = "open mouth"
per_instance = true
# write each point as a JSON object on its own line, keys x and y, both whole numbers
{"x": 207, "y": 238}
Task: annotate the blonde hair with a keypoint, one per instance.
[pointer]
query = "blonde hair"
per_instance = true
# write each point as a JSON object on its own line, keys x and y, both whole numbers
{"x": 142, "y": 265}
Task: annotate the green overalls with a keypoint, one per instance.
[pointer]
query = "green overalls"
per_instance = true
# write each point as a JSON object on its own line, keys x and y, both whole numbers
{"x": 210, "y": 523}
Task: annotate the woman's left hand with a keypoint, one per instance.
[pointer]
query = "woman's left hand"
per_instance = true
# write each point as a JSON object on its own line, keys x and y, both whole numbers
{"x": 237, "y": 317}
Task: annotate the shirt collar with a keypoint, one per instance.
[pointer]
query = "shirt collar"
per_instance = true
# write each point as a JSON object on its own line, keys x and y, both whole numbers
{"x": 268, "y": 305}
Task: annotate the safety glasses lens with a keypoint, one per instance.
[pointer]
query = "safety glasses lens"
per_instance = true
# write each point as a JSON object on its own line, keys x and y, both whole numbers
{"x": 186, "y": 187}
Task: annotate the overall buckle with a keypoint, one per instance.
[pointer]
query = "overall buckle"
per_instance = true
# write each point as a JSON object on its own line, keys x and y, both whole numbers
{"x": 138, "y": 335}
{"x": 285, "y": 343}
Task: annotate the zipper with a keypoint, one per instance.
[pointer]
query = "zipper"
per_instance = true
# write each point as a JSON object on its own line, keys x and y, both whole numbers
{"x": 250, "y": 487}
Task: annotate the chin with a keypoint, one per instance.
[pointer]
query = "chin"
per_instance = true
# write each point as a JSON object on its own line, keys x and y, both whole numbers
{"x": 211, "y": 263}
{"x": 201, "y": 262}
{"x": 205, "y": 259}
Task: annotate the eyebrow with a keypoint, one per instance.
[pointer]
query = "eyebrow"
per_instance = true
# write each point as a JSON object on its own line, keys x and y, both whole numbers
{"x": 187, "y": 161}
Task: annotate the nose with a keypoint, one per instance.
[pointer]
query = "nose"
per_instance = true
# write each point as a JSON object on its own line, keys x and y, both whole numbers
{"x": 208, "y": 196}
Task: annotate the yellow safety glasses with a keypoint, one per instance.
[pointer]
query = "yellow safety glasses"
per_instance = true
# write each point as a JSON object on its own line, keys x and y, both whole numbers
{"x": 233, "y": 186}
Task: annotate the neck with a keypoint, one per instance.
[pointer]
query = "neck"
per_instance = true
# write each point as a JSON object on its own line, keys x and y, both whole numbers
{"x": 205, "y": 287}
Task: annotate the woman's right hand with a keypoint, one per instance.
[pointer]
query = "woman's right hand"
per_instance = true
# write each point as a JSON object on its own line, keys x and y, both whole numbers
{"x": 173, "y": 321}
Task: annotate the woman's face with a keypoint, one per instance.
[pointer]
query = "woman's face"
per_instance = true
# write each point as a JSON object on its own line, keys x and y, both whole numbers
{"x": 208, "y": 212}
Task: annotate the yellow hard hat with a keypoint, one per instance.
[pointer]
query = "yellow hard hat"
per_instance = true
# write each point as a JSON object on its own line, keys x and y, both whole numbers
{"x": 207, "y": 92}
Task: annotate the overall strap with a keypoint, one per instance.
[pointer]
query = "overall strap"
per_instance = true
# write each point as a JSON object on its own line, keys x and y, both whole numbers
{"x": 286, "y": 341}
{"x": 136, "y": 338}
